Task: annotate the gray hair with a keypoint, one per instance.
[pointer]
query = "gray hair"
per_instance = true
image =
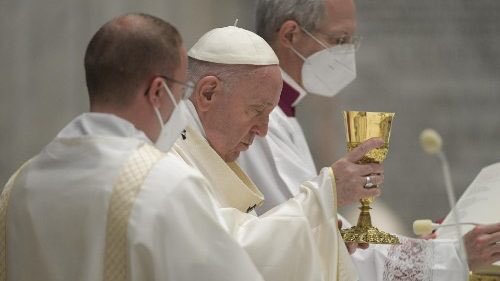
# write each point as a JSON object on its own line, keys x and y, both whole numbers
{"x": 271, "y": 14}
{"x": 227, "y": 73}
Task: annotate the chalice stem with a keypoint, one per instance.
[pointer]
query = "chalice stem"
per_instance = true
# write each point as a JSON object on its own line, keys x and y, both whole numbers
{"x": 361, "y": 126}
{"x": 364, "y": 219}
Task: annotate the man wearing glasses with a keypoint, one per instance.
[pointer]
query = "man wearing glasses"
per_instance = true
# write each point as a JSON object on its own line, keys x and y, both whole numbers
{"x": 100, "y": 201}
{"x": 315, "y": 45}
{"x": 314, "y": 42}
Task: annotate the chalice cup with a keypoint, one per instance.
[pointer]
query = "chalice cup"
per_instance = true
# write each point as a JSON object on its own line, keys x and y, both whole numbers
{"x": 361, "y": 126}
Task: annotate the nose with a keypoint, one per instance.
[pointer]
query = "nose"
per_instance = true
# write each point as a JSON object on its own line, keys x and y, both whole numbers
{"x": 261, "y": 128}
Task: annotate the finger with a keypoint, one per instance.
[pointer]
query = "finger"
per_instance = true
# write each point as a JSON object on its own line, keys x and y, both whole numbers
{"x": 482, "y": 231}
{"x": 493, "y": 238}
{"x": 339, "y": 224}
{"x": 357, "y": 153}
{"x": 363, "y": 246}
{"x": 351, "y": 247}
{"x": 371, "y": 192}
{"x": 491, "y": 259}
{"x": 375, "y": 179}
{"x": 489, "y": 228}
{"x": 494, "y": 258}
{"x": 494, "y": 249}
{"x": 370, "y": 169}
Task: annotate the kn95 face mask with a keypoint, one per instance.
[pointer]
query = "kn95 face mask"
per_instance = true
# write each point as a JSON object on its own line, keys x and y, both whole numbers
{"x": 328, "y": 71}
{"x": 172, "y": 129}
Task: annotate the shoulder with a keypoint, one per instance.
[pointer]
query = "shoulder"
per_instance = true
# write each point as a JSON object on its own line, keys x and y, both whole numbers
{"x": 172, "y": 168}
{"x": 173, "y": 185}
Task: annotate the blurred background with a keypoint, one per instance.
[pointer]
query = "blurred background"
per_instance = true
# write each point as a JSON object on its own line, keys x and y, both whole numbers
{"x": 435, "y": 63}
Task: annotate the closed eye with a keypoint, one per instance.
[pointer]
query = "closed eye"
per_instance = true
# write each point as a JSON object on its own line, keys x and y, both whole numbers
{"x": 258, "y": 109}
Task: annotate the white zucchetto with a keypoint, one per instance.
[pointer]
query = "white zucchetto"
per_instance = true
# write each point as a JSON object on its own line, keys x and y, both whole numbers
{"x": 233, "y": 45}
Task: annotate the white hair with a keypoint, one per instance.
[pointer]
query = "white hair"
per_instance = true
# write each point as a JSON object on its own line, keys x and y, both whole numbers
{"x": 229, "y": 74}
{"x": 271, "y": 14}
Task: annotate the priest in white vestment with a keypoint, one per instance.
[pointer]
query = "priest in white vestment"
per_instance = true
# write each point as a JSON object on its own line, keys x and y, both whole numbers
{"x": 315, "y": 44}
{"x": 479, "y": 204}
{"x": 238, "y": 84}
{"x": 100, "y": 201}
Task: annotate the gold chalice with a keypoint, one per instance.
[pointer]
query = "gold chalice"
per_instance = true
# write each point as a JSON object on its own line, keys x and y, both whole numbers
{"x": 361, "y": 126}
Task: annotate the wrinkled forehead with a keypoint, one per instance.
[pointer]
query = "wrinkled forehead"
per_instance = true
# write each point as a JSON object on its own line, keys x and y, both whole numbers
{"x": 340, "y": 18}
{"x": 261, "y": 86}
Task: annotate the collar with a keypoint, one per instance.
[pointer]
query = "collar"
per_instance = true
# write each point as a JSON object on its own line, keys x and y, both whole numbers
{"x": 291, "y": 94}
{"x": 232, "y": 187}
{"x": 292, "y": 83}
{"x": 102, "y": 124}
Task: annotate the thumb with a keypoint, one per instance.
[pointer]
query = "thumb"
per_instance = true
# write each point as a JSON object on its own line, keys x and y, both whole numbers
{"x": 371, "y": 192}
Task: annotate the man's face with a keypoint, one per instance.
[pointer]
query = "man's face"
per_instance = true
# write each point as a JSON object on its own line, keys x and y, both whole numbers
{"x": 338, "y": 25}
{"x": 240, "y": 114}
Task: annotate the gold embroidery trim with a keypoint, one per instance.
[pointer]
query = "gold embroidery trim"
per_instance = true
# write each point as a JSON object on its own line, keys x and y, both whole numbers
{"x": 334, "y": 190}
{"x": 4, "y": 204}
{"x": 123, "y": 196}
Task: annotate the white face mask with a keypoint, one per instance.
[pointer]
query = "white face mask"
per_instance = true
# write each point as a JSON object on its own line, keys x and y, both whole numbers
{"x": 328, "y": 71}
{"x": 172, "y": 129}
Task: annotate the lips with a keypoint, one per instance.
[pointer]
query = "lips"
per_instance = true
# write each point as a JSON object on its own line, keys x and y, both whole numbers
{"x": 247, "y": 143}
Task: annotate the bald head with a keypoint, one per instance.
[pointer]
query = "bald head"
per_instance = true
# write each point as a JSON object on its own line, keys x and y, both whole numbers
{"x": 126, "y": 52}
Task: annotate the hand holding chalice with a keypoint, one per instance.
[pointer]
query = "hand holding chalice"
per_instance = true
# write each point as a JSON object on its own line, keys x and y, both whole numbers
{"x": 361, "y": 126}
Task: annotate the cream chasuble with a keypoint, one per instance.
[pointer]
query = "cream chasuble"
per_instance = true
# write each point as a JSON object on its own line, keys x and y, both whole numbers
{"x": 297, "y": 240}
{"x": 230, "y": 184}
{"x": 59, "y": 217}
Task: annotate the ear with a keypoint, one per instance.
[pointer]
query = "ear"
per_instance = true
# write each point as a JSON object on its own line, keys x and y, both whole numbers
{"x": 206, "y": 92}
{"x": 155, "y": 92}
{"x": 289, "y": 33}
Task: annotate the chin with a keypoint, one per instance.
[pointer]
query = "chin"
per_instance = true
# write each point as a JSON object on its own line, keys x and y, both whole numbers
{"x": 231, "y": 157}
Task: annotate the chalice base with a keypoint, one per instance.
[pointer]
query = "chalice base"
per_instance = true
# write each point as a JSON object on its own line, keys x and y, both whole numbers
{"x": 365, "y": 232}
{"x": 368, "y": 234}
{"x": 486, "y": 273}
{"x": 483, "y": 277}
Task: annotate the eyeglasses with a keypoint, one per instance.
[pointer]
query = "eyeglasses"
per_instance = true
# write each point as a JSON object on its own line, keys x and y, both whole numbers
{"x": 187, "y": 89}
{"x": 337, "y": 40}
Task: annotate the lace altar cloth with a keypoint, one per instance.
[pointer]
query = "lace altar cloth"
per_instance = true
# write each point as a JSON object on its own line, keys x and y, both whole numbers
{"x": 410, "y": 260}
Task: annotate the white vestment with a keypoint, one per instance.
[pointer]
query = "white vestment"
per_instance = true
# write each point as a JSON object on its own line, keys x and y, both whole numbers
{"x": 57, "y": 213}
{"x": 478, "y": 204}
{"x": 281, "y": 161}
{"x": 297, "y": 240}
